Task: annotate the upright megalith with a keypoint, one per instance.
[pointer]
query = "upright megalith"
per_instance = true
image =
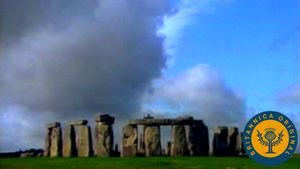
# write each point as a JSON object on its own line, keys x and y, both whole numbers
{"x": 141, "y": 146}
{"x": 178, "y": 143}
{"x": 233, "y": 147}
{"x": 104, "y": 137}
{"x": 69, "y": 142}
{"x": 84, "y": 141}
{"x": 152, "y": 140}
{"x": 55, "y": 140}
{"x": 220, "y": 141}
{"x": 129, "y": 141}
{"x": 47, "y": 142}
{"x": 239, "y": 144}
{"x": 202, "y": 139}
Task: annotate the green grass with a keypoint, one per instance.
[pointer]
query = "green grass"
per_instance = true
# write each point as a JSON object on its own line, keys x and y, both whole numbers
{"x": 140, "y": 163}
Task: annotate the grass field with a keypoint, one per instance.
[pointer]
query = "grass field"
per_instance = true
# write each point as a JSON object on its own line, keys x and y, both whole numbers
{"x": 140, "y": 163}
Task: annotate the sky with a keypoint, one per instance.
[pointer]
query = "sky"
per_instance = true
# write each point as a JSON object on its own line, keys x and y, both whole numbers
{"x": 222, "y": 61}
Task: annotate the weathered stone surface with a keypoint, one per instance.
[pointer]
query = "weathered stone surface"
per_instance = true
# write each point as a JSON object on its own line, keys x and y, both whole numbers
{"x": 52, "y": 125}
{"x": 56, "y": 142}
{"x": 152, "y": 141}
{"x": 220, "y": 141}
{"x": 201, "y": 137}
{"x": 179, "y": 121}
{"x": 240, "y": 145}
{"x": 191, "y": 139}
{"x": 141, "y": 148}
{"x": 69, "y": 142}
{"x": 78, "y": 122}
{"x": 103, "y": 140}
{"x": 27, "y": 154}
{"x": 233, "y": 147}
{"x": 84, "y": 141}
{"x": 47, "y": 143}
{"x": 129, "y": 141}
{"x": 179, "y": 144}
{"x": 105, "y": 119}
{"x": 168, "y": 149}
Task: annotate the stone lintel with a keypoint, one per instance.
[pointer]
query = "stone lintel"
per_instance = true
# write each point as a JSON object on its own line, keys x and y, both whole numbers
{"x": 179, "y": 121}
{"x": 105, "y": 118}
{"x": 78, "y": 122}
{"x": 52, "y": 125}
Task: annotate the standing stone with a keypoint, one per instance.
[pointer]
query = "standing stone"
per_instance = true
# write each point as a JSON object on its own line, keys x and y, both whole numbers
{"x": 191, "y": 140}
{"x": 220, "y": 141}
{"x": 56, "y": 142}
{"x": 168, "y": 149}
{"x": 240, "y": 145}
{"x": 47, "y": 143}
{"x": 104, "y": 137}
{"x": 202, "y": 139}
{"x": 179, "y": 144}
{"x": 233, "y": 147}
{"x": 129, "y": 141}
{"x": 84, "y": 141}
{"x": 69, "y": 142}
{"x": 141, "y": 148}
{"x": 103, "y": 140}
{"x": 152, "y": 141}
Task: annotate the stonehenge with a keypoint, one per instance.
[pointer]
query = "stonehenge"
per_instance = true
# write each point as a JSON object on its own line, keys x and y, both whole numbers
{"x": 188, "y": 137}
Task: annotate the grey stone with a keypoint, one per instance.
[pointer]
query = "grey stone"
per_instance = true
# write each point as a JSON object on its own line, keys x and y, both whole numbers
{"x": 233, "y": 147}
{"x": 141, "y": 148}
{"x": 179, "y": 144}
{"x": 84, "y": 141}
{"x": 52, "y": 125}
{"x": 220, "y": 141}
{"x": 47, "y": 143}
{"x": 168, "y": 149}
{"x": 56, "y": 142}
{"x": 105, "y": 119}
{"x": 152, "y": 141}
{"x": 129, "y": 141}
{"x": 151, "y": 121}
{"x": 78, "y": 122}
{"x": 103, "y": 140}
{"x": 202, "y": 139}
{"x": 69, "y": 142}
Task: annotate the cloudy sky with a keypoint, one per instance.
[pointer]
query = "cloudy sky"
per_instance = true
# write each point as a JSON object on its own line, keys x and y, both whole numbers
{"x": 219, "y": 60}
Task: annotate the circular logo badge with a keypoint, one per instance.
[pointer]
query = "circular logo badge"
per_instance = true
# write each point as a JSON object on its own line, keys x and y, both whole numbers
{"x": 270, "y": 138}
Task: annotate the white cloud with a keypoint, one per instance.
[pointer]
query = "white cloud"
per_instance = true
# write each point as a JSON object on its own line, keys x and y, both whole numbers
{"x": 290, "y": 95}
{"x": 184, "y": 14}
{"x": 199, "y": 91}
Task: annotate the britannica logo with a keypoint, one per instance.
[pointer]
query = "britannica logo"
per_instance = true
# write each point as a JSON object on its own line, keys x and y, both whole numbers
{"x": 270, "y": 138}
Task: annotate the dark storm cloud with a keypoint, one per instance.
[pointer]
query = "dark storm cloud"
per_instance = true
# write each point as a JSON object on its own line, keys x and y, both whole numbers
{"x": 70, "y": 57}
